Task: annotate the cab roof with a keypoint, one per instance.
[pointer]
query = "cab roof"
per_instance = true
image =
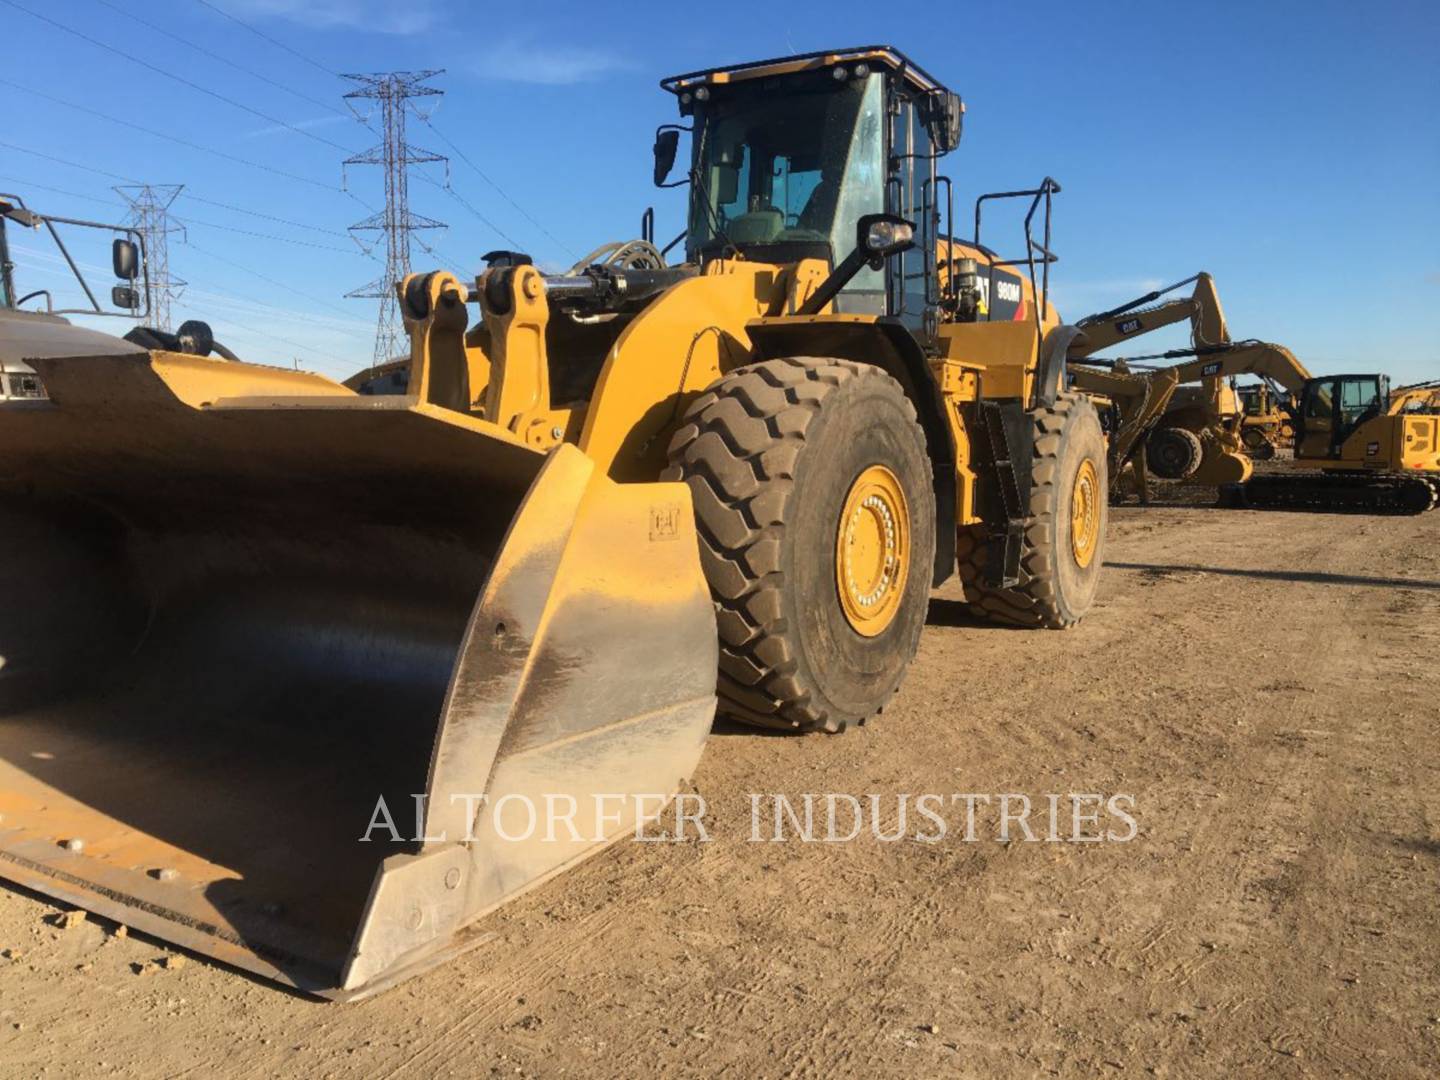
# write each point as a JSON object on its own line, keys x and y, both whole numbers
{"x": 884, "y": 55}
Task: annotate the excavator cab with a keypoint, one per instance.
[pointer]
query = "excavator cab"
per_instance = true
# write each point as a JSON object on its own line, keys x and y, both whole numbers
{"x": 1333, "y": 407}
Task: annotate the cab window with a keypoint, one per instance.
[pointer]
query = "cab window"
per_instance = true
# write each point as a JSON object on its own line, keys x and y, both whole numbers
{"x": 1358, "y": 397}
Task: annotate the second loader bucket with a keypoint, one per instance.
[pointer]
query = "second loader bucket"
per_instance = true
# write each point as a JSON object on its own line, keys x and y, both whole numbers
{"x": 250, "y": 620}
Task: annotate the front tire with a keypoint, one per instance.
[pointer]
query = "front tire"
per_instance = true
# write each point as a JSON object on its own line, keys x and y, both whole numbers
{"x": 816, "y": 515}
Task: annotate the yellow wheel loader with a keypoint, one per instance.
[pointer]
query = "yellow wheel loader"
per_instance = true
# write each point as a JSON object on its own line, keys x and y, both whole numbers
{"x": 302, "y": 674}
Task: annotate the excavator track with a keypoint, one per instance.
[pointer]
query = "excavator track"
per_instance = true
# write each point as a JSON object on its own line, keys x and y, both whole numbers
{"x": 1340, "y": 493}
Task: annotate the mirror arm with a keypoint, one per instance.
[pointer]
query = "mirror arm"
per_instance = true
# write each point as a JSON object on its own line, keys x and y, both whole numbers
{"x": 73, "y": 268}
{"x": 841, "y": 276}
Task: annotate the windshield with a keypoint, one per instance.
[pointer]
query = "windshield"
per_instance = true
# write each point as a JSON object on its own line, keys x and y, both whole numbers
{"x": 795, "y": 168}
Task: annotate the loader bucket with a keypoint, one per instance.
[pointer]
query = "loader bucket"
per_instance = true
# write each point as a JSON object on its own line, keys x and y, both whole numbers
{"x": 240, "y": 606}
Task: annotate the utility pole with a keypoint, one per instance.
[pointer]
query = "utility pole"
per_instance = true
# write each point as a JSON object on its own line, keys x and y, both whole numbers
{"x": 393, "y": 90}
{"x": 150, "y": 216}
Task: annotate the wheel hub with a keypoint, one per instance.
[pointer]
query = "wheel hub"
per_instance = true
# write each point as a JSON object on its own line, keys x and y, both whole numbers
{"x": 872, "y": 550}
{"x": 1085, "y": 513}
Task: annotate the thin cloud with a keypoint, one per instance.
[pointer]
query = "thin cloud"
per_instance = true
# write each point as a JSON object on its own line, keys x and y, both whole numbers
{"x": 302, "y": 125}
{"x": 377, "y": 16}
{"x": 513, "y": 60}
{"x": 1100, "y": 294}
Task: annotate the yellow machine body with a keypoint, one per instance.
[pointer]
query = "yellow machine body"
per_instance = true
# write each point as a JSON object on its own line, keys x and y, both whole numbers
{"x": 264, "y": 616}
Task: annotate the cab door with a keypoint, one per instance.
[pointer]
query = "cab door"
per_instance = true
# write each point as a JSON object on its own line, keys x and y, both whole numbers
{"x": 913, "y": 286}
{"x": 1316, "y": 420}
{"x": 1331, "y": 410}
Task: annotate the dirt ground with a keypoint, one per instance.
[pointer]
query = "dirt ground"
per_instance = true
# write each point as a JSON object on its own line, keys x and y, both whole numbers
{"x": 1263, "y": 685}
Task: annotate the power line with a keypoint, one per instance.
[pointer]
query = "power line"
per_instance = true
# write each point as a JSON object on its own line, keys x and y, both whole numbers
{"x": 259, "y": 214}
{"x": 269, "y": 280}
{"x": 268, "y": 236}
{"x": 248, "y": 306}
{"x": 171, "y": 75}
{"x": 223, "y": 59}
{"x": 503, "y": 193}
{"x": 172, "y": 138}
{"x": 267, "y": 37}
{"x": 30, "y": 184}
{"x": 349, "y": 320}
{"x": 184, "y": 195}
{"x": 467, "y": 205}
{"x": 244, "y": 329}
{"x": 72, "y": 164}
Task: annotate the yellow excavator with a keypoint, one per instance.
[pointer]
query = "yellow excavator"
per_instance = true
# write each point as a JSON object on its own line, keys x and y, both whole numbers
{"x": 1357, "y": 447}
{"x": 1180, "y": 421}
{"x": 1378, "y": 450}
{"x": 301, "y": 673}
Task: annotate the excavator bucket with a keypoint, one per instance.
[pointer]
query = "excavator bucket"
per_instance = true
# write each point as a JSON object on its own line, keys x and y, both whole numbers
{"x": 308, "y": 682}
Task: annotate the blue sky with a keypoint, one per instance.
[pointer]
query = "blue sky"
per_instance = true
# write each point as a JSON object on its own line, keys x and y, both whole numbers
{"x": 1291, "y": 149}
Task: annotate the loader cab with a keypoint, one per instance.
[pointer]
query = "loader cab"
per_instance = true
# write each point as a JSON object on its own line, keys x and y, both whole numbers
{"x": 1333, "y": 407}
{"x": 787, "y": 155}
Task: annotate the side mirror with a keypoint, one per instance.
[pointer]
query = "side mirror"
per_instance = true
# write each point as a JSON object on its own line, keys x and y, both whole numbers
{"x": 667, "y": 144}
{"x": 125, "y": 258}
{"x": 123, "y": 296}
{"x": 879, "y": 236}
{"x": 946, "y": 121}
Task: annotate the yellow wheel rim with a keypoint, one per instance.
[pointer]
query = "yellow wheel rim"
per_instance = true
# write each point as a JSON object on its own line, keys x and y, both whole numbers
{"x": 1085, "y": 513}
{"x": 872, "y": 550}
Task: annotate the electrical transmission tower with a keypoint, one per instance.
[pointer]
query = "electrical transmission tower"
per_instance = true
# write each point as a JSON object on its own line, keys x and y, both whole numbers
{"x": 150, "y": 216}
{"x": 393, "y": 90}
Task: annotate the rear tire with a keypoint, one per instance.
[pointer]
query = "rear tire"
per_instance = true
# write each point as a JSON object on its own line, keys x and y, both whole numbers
{"x": 780, "y": 455}
{"x": 1064, "y": 542}
{"x": 1173, "y": 453}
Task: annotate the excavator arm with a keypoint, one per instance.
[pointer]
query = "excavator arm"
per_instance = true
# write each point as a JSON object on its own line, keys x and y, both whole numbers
{"x": 1201, "y": 308}
{"x": 1141, "y": 398}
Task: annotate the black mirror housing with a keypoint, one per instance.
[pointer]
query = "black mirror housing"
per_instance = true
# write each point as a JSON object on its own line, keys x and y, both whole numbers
{"x": 125, "y": 258}
{"x": 123, "y": 296}
{"x": 667, "y": 144}
{"x": 946, "y": 120}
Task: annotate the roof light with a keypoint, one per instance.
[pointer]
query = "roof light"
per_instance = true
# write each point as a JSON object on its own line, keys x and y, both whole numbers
{"x": 840, "y": 73}
{"x": 861, "y": 70}
{"x": 702, "y": 93}
{"x": 685, "y": 99}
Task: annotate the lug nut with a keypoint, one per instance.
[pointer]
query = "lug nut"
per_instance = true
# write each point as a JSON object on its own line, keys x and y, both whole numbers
{"x": 73, "y": 844}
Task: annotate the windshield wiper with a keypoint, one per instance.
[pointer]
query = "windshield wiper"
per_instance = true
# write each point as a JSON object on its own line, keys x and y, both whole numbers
{"x": 698, "y": 185}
